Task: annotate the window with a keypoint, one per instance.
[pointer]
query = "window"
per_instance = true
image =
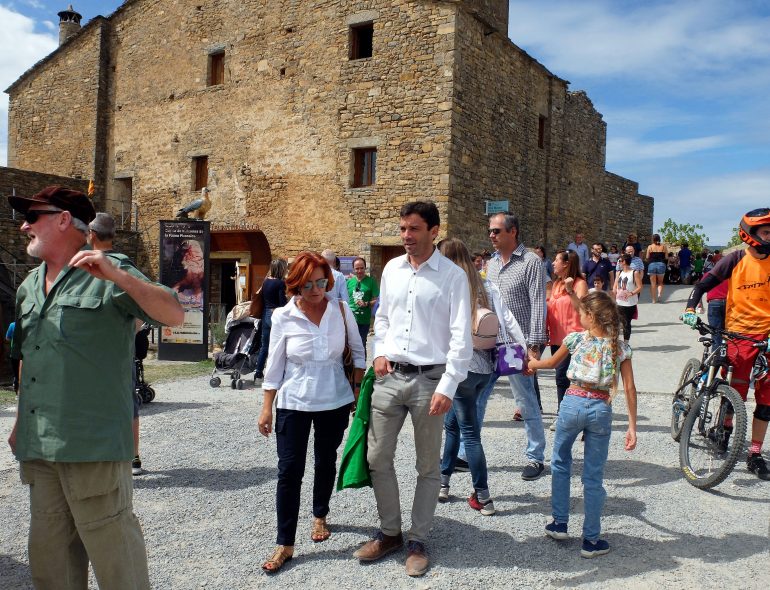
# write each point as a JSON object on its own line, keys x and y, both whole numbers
{"x": 361, "y": 40}
{"x": 541, "y": 123}
{"x": 200, "y": 172}
{"x": 364, "y": 167}
{"x": 216, "y": 68}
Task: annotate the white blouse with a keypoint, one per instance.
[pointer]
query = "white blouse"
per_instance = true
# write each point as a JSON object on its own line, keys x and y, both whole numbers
{"x": 305, "y": 360}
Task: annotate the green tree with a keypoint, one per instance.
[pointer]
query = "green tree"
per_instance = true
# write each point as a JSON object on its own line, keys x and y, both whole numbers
{"x": 677, "y": 233}
{"x": 735, "y": 239}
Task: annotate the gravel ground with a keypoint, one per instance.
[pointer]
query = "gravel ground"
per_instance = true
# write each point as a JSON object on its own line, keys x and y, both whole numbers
{"x": 208, "y": 511}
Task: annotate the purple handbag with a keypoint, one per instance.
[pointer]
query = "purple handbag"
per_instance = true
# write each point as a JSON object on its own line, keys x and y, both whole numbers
{"x": 511, "y": 359}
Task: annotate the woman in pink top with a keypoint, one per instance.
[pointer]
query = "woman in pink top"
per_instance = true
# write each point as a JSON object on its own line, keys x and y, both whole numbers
{"x": 564, "y": 309}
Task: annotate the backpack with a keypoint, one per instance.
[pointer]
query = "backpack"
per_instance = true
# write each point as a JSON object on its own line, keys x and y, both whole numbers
{"x": 485, "y": 328}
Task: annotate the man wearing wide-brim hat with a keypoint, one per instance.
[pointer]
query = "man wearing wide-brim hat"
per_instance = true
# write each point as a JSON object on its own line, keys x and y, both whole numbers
{"x": 74, "y": 331}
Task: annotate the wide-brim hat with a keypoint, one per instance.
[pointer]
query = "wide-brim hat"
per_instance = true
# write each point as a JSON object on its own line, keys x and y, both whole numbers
{"x": 66, "y": 199}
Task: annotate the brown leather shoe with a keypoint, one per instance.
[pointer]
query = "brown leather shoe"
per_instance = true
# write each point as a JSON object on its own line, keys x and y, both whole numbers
{"x": 417, "y": 562}
{"x": 379, "y": 546}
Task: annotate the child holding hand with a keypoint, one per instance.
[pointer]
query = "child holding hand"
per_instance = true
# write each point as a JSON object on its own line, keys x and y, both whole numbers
{"x": 599, "y": 357}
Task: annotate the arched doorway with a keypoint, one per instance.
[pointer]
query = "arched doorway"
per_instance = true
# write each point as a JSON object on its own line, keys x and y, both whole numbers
{"x": 240, "y": 259}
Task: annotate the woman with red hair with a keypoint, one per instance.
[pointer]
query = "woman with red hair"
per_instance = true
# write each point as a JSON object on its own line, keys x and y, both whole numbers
{"x": 305, "y": 378}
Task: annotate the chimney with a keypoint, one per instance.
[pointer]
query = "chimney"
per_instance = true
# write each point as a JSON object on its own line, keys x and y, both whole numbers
{"x": 69, "y": 24}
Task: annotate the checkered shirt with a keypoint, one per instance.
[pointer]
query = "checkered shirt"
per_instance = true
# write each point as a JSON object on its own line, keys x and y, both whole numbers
{"x": 522, "y": 285}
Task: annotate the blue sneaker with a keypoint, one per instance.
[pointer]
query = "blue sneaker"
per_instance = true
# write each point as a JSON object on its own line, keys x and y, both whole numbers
{"x": 593, "y": 549}
{"x": 556, "y": 530}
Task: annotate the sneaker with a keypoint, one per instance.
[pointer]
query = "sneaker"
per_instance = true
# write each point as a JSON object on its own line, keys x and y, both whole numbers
{"x": 259, "y": 375}
{"x": 556, "y": 530}
{"x": 136, "y": 466}
{"x": 461, "y": 465}
{"x": 517, "y": 417}
{"x": 532, "y": 471}
{"x": 720, "y": 438}
{"x": 443, "y": 494}
{"x": 756, "y": 464}
{"x": 553, "y": 426}
{"x": 594, "y": 549}
{"x": 486, "y": 508}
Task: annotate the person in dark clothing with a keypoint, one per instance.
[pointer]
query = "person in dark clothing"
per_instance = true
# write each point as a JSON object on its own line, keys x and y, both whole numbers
{"x": 273, "y": 296}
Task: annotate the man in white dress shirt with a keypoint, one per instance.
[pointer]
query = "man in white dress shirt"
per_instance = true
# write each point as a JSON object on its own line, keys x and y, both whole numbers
{"x": 340, "y": 290}
{"x": 422, "y": 348}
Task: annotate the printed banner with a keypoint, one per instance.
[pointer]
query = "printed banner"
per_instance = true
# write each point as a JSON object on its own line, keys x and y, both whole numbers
{"x": 184, "y": 255}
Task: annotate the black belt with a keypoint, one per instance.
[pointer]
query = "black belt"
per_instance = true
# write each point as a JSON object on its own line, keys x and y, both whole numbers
{"x": 407, "y": 368}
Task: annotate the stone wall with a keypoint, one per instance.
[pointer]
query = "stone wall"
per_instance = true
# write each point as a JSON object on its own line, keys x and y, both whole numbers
{"x": 53, "y": 114}
{"x": 457, "y": 112}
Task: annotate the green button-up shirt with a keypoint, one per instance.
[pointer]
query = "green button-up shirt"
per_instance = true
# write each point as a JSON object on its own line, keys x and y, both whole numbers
{"x": 76, "y": 344}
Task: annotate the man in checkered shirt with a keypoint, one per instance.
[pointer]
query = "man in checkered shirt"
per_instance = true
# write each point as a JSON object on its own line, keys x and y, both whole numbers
{"x": 519, "y": 275}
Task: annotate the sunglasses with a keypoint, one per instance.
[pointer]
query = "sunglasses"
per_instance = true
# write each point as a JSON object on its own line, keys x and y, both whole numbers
{"x": 320, "y": 283}
{"x": 495, "y": 230}
{"x": 33, "y": 215}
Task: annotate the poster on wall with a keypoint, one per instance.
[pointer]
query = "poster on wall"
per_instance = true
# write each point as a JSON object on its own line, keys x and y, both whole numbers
{"x": 184, "y": 266}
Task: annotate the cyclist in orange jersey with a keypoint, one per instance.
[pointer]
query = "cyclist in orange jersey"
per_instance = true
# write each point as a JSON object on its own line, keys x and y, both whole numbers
{"x": 748, "y": 313}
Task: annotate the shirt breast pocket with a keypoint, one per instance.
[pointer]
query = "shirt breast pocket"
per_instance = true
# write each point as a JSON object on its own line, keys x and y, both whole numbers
{"x": 77, "y": 313}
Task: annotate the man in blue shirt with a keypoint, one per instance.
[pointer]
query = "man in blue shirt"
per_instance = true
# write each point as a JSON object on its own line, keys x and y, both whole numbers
{"x": 580, "y": 247}
{"x": 685, "y": 262}
{"x": 596, "y": 266}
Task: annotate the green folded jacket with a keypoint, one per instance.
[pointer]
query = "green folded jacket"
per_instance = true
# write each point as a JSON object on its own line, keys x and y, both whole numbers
{"x": 354, "y": 469}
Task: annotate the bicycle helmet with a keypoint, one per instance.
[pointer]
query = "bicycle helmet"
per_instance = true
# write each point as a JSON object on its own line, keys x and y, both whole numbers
{"x": 748, "y": 228}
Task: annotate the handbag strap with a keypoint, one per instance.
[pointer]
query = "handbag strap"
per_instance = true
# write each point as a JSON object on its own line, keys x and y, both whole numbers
{"x": 344, "y": 321}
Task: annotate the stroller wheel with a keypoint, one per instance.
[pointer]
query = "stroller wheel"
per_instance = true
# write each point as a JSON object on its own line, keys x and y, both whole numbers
{"x": 215, "y": 382}
{"x": 233, "y": 384}
{"x": 149, "y": 394}
{"x": 139, "y": 397}
{"x": 239, "y": 384}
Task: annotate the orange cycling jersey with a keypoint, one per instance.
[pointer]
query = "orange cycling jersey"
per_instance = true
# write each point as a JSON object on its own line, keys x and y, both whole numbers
{"x": 747, "y": 310}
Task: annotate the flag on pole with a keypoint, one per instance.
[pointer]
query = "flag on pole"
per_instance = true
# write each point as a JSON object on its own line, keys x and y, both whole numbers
{"x": 91, "y": 187}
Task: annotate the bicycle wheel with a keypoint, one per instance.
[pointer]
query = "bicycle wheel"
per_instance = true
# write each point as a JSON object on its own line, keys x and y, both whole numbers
{"x": 709, "y": 449}
{"x": 683, "y": 398}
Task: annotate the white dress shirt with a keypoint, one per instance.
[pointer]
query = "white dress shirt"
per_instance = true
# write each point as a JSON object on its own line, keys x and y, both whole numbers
{"x": 424, "y": 317}
{"x": 305, "y": 360}
{"x": 339, "y": 291}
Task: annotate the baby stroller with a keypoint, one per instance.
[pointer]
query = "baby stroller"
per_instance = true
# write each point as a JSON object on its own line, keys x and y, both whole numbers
{"x": 674, "y": 275}
{"x": 143, "y": 392}
{"x": 239, "y": 356}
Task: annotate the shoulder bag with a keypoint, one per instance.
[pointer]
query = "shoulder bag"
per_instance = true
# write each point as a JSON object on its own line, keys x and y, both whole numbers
{"x": 347, "y": 353}
{"x": 257, "y": 307}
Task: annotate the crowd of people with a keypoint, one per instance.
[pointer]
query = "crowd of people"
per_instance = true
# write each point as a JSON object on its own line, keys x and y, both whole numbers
{"x": 447, "y": 325}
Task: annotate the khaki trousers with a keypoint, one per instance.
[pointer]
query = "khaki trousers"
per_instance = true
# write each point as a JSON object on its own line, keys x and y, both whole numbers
{"x": 395, "y": 396}
{"x": 82, "y": 512}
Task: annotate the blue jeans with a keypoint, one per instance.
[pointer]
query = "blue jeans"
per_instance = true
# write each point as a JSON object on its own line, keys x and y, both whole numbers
{"x": 481, "y": 410}
{"x": 264, "y": 347}
{"x": 363, "y": 330}
{"x": 523, "y": 388}
{"x": 716, "y": 319}
{"x": 562, "y": 381}
{"x": 594, "y": 417}
{"x": 463, "y": 418}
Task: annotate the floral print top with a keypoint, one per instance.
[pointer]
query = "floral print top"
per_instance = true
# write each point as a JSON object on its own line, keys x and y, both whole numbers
{"x": 591, "y": 362}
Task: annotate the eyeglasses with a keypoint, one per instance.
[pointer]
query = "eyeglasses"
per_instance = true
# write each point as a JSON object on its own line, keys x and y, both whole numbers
{"x": 495, "y": 230}
{"x": 33, "y": 215}
{"x": 320, "y": 283}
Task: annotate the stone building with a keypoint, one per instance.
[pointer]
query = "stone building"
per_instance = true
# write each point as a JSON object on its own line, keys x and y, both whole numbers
{"x": 312, "y": 122}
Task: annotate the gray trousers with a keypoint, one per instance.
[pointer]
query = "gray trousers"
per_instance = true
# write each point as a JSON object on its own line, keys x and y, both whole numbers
{"x": 395, "y": 396}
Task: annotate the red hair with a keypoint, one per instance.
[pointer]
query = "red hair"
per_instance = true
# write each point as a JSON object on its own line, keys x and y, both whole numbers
{"x": 303, "y": 266}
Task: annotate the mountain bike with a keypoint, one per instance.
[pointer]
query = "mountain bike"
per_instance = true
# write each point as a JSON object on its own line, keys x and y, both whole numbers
{"x": 708, "y": 417}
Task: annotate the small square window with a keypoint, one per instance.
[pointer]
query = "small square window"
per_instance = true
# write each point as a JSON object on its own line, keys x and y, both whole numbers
{"x": 361, "y": 40}
{"x": 200, "y": 172}
{"x": 364, "y": 167}
{"x": 216, "y": 68}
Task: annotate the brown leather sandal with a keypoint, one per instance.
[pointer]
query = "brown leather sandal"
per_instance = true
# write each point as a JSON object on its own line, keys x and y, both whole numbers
{"x": 320, "y": 531}
{"x": 281, "y": 555}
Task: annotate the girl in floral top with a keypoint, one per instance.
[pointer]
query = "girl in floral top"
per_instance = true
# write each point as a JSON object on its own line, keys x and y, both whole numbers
{"x": 599, "y": 357}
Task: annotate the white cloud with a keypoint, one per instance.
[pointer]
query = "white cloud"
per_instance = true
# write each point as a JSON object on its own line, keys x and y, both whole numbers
{"x": 20, "y": 48}
{"x": 671, "y": 42}
{"x": 626, "y": 149}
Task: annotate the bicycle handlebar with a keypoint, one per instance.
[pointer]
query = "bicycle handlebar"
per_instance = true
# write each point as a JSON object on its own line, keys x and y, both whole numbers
{"x": 705, "y": 329}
